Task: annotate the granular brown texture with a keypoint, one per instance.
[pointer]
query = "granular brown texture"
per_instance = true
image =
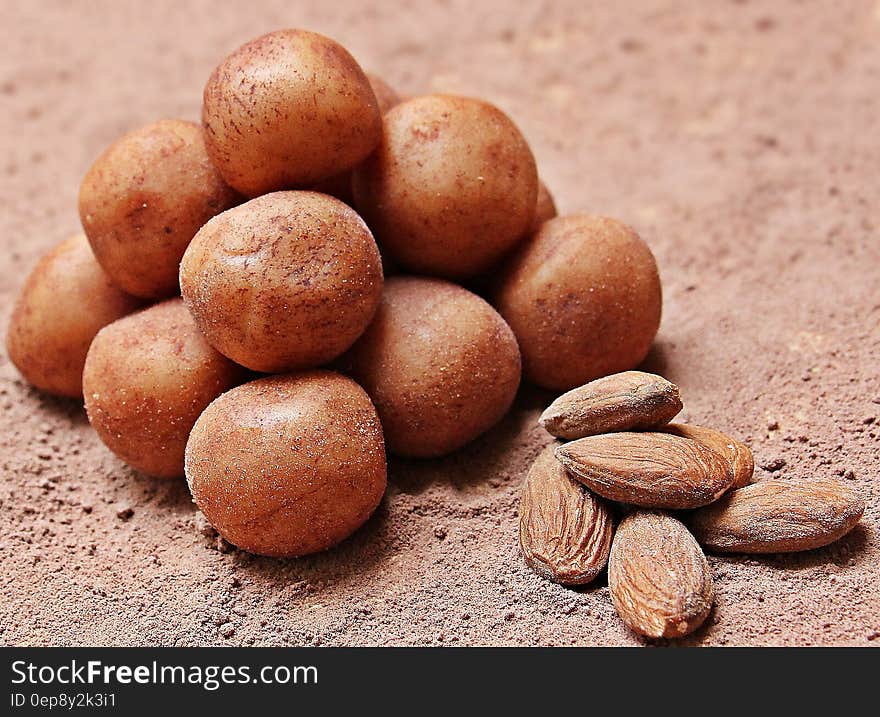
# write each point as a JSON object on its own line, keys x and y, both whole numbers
{"x": 440, "y": 364}
{"x": 147, "y": 378}
{"x": 451, "y": 187}
{"x": 583, "y": 297}
{"x": 286, "y": 281}
{"x": 739, "y": 139}
{"x": 143, "y": 200}
{"x": 65, "y": 301}
{"x": 288, "y": 465}
{"x": 288, "y": 109}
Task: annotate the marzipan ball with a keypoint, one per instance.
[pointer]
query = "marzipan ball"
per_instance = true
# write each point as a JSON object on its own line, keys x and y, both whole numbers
{"x": 288, "y": 110}
{"x": 451, "y": 187}
{"x": 339, "y": 185}
{"x": 288, "y": 465}
{"x": 64, "y": 302}
{"x": 147, "y": 378}
{"x": 285, "y": 281}
{"x": 440, "y": 364}
{"x": 144, "y": 199}
{"x": 583, "y": 298}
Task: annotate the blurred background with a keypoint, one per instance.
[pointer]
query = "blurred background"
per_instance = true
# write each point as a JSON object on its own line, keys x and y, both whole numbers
{"x": 677, "y": 117}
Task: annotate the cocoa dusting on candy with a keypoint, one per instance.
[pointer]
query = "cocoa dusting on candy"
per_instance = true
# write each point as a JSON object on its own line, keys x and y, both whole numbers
{"x": 283, "y": 282}
{"x": 147, "y": 379}
{"x": 288, "y": 465}
{"x": 288, "y": 110}
{"x": 64, "y": 302}
{"x": 545, "y": 208}
{"x": 440, "y": 364}
{"x": 583, "y": 297}
{"x": 451, "y": 188}
{"x": 143, "y": 200}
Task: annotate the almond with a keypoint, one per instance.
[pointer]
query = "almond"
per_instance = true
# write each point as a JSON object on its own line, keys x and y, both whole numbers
{"x": 738, "y": 455}
{"x": 564, "y": 530}
{"x": 776, "y": 516}
{"x": 651, "y": 470}
{"x": 621, "y": 402}
{"x": 659, "y": 579}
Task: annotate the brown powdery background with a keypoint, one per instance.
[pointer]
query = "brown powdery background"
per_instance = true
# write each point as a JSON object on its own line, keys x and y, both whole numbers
{"x": 741, "y": 139}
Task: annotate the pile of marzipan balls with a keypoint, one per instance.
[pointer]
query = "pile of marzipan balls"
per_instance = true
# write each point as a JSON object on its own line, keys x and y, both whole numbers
{"x": 319, "y": 271}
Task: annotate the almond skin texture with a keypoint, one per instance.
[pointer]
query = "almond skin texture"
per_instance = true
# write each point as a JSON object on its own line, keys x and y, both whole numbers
{"x": 738, "y": 455}
{"x": 775, "y": 516}
{"x": 659, "y": 579}
{"x": 564, "y": 530}
{"x": 626, "y": 401}
{"x": 651, "y": 470}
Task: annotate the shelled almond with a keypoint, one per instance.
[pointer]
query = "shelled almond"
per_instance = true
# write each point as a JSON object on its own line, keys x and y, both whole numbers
{"x": 627, "y": 451}
{"x": 660, "y": 582}
{"x": 565, "y": 531}
{"x": 738, "y": 455}
{"x": 632, "y": 400}
{"x": 651, "y": 470}
{"x": 776, "y": 516}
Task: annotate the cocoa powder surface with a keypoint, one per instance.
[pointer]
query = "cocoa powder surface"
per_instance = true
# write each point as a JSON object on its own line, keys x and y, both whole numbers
{"x": 739, "y": 138}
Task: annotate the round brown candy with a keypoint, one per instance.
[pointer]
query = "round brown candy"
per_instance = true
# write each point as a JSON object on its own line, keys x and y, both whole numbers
{"x": 583, "y": 298}
{"x": 440, "y": 364}
{"x": 147, "y": 378}
{"x": 285, "y": 281}
{"x": 65, "y": 301}
{"x": 288, "y": 109}
{"x": 339, "y": 185}
{"x": 144, "y": 199}
{"x": 451, "y": 187}
{"x": 288, "y": 465}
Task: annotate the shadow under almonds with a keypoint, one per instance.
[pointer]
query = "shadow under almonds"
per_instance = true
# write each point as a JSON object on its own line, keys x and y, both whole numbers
{"x": 851, "y": 546}
{"x": 839, "y": 553}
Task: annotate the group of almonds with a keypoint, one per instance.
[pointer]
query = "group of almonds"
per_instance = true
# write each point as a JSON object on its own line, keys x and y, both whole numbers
{"x": 623, "y": 449}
